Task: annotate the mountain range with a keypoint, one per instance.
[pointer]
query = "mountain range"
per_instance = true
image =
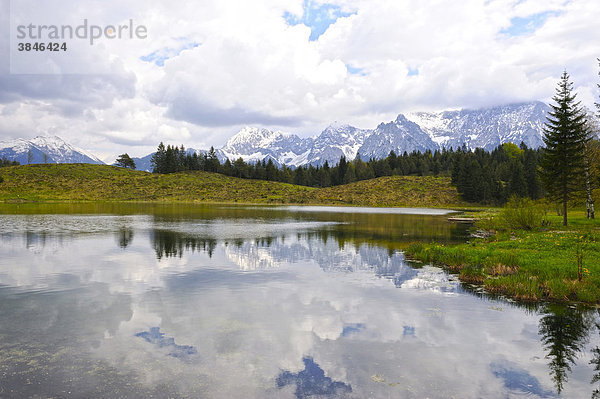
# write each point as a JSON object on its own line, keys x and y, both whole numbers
{"x": 484, "y": 128}
{"x": 44, "y": 149}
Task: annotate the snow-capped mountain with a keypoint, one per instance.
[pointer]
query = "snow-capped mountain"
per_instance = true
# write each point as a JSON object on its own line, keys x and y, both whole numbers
{"x": 400, "y": 135}
{"x": 48, "y": 149}
{"x": 335, "y": 141}
{"x": 485, "y": 128}
{"x": 254, "y": 144}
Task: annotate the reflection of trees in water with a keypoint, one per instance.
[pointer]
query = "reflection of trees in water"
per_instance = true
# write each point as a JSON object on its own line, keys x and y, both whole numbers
{"x": 564, "y": 331}
{"x": 391, "y": 230}
{"x": 172, "y": 244}
{"x": 388, "y": 231}
{"x": 34, "y": 239}
{"x": 596, "y": 362}
{"x": 322, "y": 247}
{"x": 124, "y": 237}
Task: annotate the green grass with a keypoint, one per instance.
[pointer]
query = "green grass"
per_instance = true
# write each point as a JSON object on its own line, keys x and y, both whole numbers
{"x": 84, "y": 182}
{"x": 528, "y": 265}
{"x": 428, "y": 191}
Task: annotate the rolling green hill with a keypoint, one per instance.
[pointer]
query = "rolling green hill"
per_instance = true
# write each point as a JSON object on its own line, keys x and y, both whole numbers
{"x": 85, "y": 182}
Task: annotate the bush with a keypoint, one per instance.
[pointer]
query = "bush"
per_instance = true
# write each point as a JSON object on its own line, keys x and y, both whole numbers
{"x": 520, "y": 214}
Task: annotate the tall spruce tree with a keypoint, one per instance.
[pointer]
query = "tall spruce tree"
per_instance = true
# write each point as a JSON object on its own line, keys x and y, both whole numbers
{"x": 565, "y": 137}
{"x": 158, "y": 159}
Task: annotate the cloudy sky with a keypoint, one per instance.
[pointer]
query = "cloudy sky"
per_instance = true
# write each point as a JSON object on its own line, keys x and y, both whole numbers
{"x": 208, "y": 68}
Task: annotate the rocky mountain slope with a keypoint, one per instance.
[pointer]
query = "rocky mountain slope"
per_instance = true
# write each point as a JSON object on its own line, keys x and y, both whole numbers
{"x": 45, "y": 149}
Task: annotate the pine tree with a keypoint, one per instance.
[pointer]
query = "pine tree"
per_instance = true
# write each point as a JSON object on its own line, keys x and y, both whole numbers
{"x": 350, "y": 175}
{"x": 158, "y": 159}
{"x": 212, "y": 161}
{"x": 565, "y": 137}
{"x": 170, "y": 160}
{"x": 300, "y": 176}
{"x": 271, "y": 170}
{"x": 342, "y": 166}
{"x": 125, "y": 161}
{"x": 240, "y": 168}
{"x": 530, "y": 164}
{"x": 517, "y": 185}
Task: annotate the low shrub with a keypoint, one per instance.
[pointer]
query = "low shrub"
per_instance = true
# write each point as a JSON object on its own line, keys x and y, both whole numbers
{"x": 520, "y": 214}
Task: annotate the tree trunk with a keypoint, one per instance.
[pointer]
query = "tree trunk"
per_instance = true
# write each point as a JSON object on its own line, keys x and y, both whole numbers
{"x": 564, "y": 211}
{"x": 590, "y": 201}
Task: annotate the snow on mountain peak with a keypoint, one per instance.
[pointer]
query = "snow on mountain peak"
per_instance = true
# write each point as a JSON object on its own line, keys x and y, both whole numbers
{"x": 336, "y": 126}
{"x": 52, "y": 149}
{"x": 254, "y": 137}
{"x": 420, "y": 131}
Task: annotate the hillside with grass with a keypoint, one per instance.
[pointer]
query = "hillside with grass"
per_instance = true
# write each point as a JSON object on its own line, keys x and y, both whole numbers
{"x": 85, "y": 182}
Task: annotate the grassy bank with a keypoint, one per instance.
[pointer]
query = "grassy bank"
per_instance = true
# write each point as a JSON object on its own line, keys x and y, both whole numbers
{"x": 84, "y": 182}
{"x": 541, "y": 264}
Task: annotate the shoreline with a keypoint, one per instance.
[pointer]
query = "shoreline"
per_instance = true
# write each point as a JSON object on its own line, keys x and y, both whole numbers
{"x": 527, "y": 266}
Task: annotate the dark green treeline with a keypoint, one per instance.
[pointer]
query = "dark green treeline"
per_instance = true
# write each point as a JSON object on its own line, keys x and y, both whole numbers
{"x": 480, "y": 176}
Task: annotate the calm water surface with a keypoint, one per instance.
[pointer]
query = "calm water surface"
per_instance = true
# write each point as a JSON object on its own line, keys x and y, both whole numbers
{"x": 265, "y": 302}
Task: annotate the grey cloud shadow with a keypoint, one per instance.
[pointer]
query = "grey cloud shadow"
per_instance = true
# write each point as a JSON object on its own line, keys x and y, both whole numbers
{"x": 205, "y": 114}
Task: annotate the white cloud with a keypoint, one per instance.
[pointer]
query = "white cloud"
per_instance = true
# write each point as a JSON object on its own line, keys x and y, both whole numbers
{"x": 250, "y": 67}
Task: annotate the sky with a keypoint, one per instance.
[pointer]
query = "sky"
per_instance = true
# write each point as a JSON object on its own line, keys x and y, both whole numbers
{"x": 206, "y": 69}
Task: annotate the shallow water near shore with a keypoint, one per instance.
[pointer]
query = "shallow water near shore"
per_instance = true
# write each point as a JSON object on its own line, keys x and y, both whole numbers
{"x": 137, "y": 301}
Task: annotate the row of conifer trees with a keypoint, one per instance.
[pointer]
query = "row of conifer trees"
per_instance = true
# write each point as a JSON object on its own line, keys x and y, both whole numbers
{"x": 480, "y": 176}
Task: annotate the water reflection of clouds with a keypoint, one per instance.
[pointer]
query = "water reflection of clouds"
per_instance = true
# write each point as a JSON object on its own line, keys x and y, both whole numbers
{"x": 298, "y": 320}
{"x": 158, "y": 339}
{"x": 258, "y": 310}
{"x": 518, "y": 380}
{"x": 352, "y": 328}
{"x": 312, "y": 382}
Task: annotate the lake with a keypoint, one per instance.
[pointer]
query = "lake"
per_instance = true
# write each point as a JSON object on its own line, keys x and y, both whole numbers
{"x": 188, "y": 301}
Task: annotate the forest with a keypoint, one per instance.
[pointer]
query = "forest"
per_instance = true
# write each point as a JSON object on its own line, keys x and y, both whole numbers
{"x": 479, "y": 176}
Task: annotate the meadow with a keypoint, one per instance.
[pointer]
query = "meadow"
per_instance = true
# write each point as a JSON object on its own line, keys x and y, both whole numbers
{"x": 85, "y": 182}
